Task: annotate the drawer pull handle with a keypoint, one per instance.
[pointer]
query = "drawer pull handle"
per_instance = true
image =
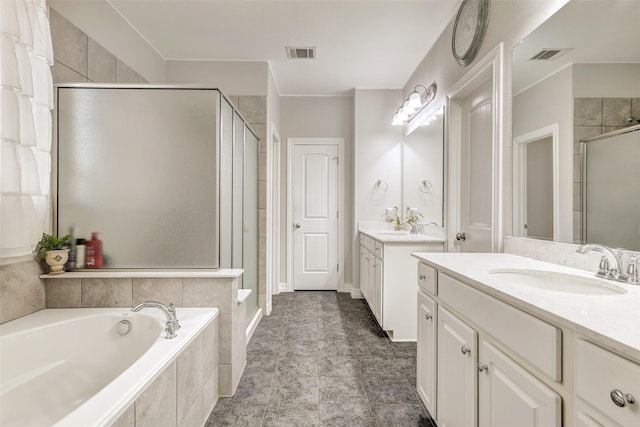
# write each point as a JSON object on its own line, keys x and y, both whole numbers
{"x": 428, "y": 316}
{"x": 619, "y": 398}
{"x": 422, "y": 277}
{"x": 465, "y": 350}
{"x": 482, "y": 367}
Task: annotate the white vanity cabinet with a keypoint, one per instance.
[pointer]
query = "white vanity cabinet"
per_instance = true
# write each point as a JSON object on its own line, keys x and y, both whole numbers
{"x": 607, "y": 387}
{"x": 476, "y": 383}
{"x": 388, "y": 281}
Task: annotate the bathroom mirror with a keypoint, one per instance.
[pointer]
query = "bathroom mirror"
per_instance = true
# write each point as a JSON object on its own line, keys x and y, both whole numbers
{"x": 574, "y": 77}
{"x": 422, "y": 174}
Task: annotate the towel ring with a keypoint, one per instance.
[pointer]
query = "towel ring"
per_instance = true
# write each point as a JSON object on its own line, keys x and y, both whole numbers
{"x": 425, "y": 186}
{"x": 380, "y": 183}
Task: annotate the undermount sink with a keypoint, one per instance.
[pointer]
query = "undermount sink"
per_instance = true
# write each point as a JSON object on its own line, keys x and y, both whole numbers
{"x": 392, "y": 232}
{"x": 558, "y": 282}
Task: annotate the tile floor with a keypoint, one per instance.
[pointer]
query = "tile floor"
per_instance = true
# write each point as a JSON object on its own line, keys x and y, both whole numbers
{"x": 320, "y": 359}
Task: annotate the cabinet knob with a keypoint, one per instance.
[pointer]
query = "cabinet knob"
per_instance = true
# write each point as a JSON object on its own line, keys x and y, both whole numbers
{"x": 465, "y": 350}
{"x": 621, "y": 399}
{"x": 428, "y": 316}
{"x": 422, "y": 277}
{"x": 461, "y": 236}
{"x": 297, "y": 225}
{"x": 482, "y": 367}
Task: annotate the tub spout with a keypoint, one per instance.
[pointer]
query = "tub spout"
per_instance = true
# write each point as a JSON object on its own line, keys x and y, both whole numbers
{"x": 172, "y": 324}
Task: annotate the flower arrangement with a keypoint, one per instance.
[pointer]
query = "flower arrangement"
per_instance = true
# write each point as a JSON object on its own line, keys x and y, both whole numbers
{"x": 392, "y": 216}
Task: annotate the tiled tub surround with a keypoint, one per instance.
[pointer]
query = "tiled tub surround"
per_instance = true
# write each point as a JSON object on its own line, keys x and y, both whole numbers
{"x": 70, "y": 367}
{"x": 22, "y": 292}
{"x": 185, "y": 288}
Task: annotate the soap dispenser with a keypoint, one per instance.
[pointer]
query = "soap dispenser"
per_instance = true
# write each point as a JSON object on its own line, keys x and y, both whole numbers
{"x": 93, "y": 250}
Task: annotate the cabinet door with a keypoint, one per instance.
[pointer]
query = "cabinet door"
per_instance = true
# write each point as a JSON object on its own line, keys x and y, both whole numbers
{"x": 510, "y": 396}
{"x": 364, "y": 273}
{"x": 377, "y": 289}
{"x": 457, "y": 377}
{"x": 426, "y": 362}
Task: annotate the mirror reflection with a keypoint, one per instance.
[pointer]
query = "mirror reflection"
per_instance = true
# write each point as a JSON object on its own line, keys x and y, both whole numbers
{"x": 578, "y": 73}
{"x": 422, "y": 177}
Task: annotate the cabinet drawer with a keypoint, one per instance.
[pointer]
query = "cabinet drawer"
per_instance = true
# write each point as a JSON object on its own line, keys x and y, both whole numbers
{"x": 599, "y": 372}
{"x": 536, "y": 341}
{"x": 368, "y": 243}
{"x": 378, "y": 250}
{"x": 428, "y": 279}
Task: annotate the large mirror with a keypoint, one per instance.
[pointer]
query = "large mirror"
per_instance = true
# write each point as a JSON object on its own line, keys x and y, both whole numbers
{"x": 422, "y": 174}
{"x": 576, "y": 77}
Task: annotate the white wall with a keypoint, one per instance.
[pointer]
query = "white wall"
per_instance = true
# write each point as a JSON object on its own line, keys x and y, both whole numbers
{"x": 100, "y": 21}
{"x": 509, "y": 22}
{"x": 606, "y": 80}
{"x": 546, "y": 103}
{"x": 318, "y": 117}
{"x": 232, "y": 77}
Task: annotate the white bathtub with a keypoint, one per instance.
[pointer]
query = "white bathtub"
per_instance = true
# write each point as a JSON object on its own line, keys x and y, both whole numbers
{"x": 70, "y": 367}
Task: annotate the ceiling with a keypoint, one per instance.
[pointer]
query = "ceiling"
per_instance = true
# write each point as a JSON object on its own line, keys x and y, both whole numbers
{"x": 595, "y": 31}
{"x": 360, "y": 43}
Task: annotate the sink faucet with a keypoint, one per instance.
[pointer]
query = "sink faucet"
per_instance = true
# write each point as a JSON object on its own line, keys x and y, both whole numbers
{"x": 172, "y": 324}
{"x": 611, "y": 265}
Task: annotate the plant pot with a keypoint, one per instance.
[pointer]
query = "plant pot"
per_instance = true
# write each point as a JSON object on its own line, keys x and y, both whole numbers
{"x": 56, "y": 260}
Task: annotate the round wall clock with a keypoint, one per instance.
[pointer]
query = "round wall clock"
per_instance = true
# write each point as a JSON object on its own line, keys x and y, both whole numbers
{"x": 469, "y": 30}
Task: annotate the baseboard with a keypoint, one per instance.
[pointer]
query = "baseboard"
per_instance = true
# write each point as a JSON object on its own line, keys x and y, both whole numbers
{"x": 356, "y": 293}
{"x": 253, "y": 324}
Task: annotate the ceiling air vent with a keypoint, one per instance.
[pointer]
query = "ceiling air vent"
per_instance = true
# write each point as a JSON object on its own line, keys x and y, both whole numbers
{"x": 301, "y": 52}
{"x": 547, "y": 54}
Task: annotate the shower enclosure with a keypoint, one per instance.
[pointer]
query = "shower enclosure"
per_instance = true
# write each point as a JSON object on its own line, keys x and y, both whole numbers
{"x": 166, "y": 174}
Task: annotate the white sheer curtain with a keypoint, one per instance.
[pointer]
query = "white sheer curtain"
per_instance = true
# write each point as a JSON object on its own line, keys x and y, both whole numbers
{"x": 26, "y": 98}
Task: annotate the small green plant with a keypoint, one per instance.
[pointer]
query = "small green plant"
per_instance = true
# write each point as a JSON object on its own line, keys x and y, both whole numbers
{"x": 51, "y": 243}
{"x": 413, "y": 215}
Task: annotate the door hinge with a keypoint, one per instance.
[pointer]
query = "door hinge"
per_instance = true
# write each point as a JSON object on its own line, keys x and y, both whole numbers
{"x": 338, "y": 267}
{"x": 337, "y": 214}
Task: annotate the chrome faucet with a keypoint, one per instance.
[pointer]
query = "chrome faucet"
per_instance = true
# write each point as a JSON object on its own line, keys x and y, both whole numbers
{"x": 611, "y": 265}
{"x": 172, "y": 324}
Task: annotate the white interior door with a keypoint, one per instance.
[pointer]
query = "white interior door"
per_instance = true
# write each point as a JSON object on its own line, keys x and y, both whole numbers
{"x": 314, "y": 214}
{"x": 476, "y": 172}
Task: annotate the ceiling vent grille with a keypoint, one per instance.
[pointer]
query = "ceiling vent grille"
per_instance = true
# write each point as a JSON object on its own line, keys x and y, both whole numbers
{"x": 548, "y": 54}
{"x": 301, "y": 52}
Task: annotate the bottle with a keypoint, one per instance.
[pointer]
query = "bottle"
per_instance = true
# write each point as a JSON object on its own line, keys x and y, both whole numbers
{"x": 80, "y": 252}
{"x": 93, "y": 252}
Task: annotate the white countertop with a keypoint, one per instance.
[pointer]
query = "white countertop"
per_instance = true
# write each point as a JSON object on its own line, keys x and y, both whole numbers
{"x": 110, "y": 274}
{"x": 388, "y": 236}
{"x": 613, "y": 320}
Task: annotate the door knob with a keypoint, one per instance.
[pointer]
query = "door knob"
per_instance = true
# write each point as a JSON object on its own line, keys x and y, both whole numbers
{"x": 461, "y": 236}
{"x": 297, "y": 225}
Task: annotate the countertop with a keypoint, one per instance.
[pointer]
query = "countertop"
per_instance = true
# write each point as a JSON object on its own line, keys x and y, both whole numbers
{"x": 388, "y": 236}
{"x": 613, "y": 320}
{"x": 109, "y": 274}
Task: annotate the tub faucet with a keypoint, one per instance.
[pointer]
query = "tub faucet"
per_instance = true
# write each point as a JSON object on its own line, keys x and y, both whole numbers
{"x": 609, "y": 264}
{"x": 172, "y": 324}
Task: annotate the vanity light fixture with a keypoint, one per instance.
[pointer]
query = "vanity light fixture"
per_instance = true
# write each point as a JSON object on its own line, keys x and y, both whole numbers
{"x": 415, "y": 102}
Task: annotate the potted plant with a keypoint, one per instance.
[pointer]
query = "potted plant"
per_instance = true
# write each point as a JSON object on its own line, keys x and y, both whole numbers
{"x": 53, "y": 251}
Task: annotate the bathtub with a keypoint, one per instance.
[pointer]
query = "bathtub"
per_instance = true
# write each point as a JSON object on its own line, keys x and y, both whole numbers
{"x": 71, "y": 367}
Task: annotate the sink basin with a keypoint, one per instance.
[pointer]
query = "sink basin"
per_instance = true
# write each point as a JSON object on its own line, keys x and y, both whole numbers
{"x": 393, "y": 233}
{"x": 558, "y": 282}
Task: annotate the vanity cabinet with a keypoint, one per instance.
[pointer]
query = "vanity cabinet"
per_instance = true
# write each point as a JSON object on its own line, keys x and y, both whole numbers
{"x": 607, "y": 387}
{"x": 388, "y": 282}
{"x": 476, "y": 382}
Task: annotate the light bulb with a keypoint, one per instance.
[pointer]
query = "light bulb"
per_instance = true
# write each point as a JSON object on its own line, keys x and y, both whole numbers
{"x": 415, "y": 100}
